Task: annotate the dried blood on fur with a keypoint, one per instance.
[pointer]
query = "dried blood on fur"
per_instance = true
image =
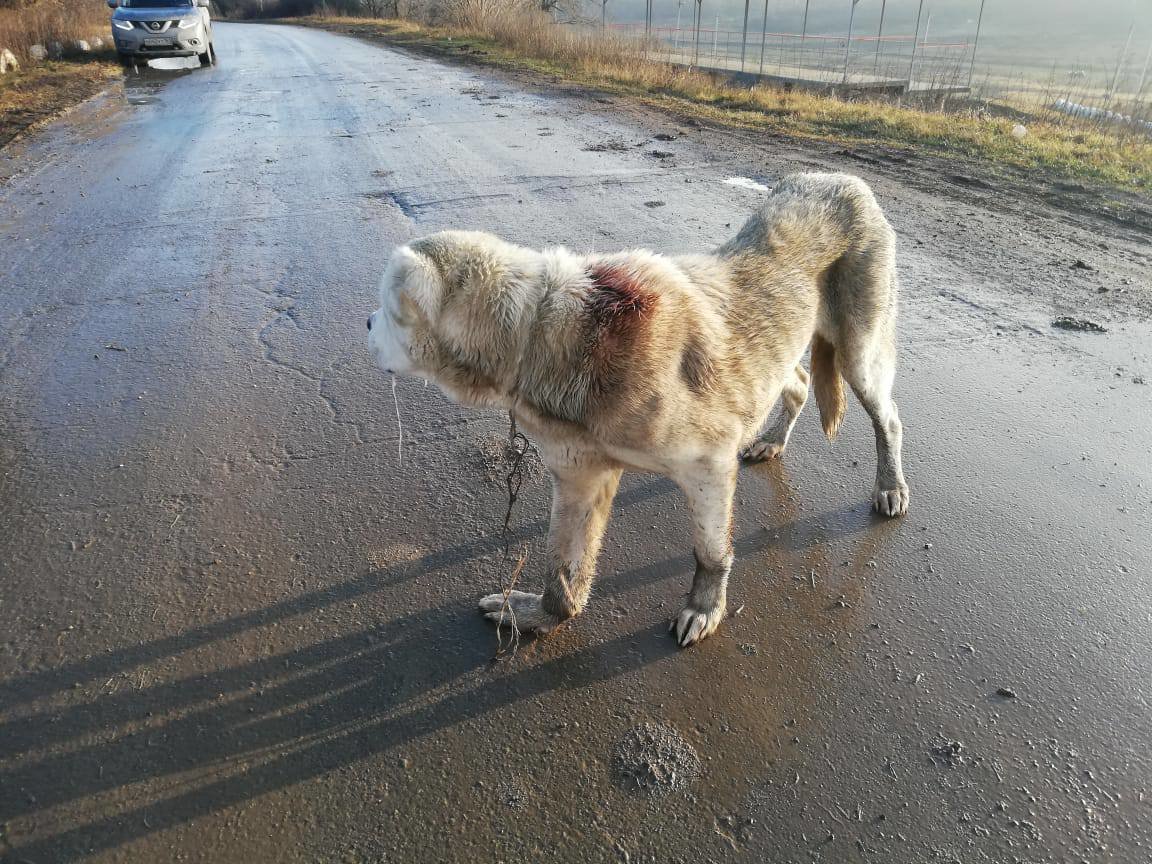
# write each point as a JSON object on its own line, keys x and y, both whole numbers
{"x": 619, "y": 306}
{"x": 617, "y": 300}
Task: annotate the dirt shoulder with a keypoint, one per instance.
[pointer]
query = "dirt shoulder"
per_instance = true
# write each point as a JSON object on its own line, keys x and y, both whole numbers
{"x": 39, "y": 93}
{"x": 928, "y": 157}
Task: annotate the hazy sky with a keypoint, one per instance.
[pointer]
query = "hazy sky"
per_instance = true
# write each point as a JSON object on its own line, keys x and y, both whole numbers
{"x": 1077, "y": 27}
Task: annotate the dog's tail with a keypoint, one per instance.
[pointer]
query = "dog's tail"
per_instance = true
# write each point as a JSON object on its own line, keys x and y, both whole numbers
{"x": 828, "y": 385}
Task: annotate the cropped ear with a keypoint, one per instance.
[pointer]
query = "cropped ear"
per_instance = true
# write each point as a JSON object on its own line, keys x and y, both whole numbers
{"x": 413, "y": 274}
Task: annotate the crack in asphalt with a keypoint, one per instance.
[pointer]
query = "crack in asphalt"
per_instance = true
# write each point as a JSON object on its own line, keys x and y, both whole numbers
{"x": 269, "y": 353}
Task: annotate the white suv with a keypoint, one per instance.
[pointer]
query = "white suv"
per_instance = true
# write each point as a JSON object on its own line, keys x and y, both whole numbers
{"x": 162, "y": 28}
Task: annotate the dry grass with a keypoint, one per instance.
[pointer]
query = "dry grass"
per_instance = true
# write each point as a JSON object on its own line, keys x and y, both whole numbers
{"x": 44, "y": 90}
{"x": 515, "y": 37}
{"x": 63, "y": 21}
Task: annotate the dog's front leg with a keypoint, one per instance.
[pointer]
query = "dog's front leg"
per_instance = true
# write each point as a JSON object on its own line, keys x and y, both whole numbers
{"x": 581, "y": 503}
{"x": 709, "y": 487}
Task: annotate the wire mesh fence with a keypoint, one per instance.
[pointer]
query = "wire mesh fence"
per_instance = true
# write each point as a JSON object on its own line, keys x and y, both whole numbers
{"x": 1107, "y": 94}
{"x": 890, "y": 62}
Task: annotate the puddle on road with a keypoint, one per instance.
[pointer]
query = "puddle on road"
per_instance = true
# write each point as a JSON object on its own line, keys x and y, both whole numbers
{"x": 746, "y": 183}
{"x": 169, "y": 64}
{"x": 142, "y": 86}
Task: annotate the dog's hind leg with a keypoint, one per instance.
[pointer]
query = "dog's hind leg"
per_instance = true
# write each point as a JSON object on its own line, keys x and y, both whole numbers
{"x": 774, "y": 439}
{"x": 869, "y": 367}
{"x": 709, "y": 488}
{"x": 581, "y": 503}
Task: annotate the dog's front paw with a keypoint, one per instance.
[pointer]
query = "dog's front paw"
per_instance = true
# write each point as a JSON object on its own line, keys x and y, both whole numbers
{"x": 692, "y": 624}
{"x": 762, "y": 449}
{"x": 521, "y": 609}
{"x": 891, "y": 502}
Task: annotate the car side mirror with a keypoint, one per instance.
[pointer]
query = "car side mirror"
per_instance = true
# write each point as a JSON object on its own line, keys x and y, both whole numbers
{"x": 203, "y": 3}
{"x": 112, "y": 4}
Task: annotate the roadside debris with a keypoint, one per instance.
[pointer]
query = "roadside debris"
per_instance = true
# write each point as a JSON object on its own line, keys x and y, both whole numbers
{"x": 1006, "y": 692}
{"x": 399, "y": 425}
{"x": 519, "y": 445}
{"x": 653, "y": 204}
{"x": 8, "y": 61}
{"x": 511, "y": 794}
{"x": 660, "y": 154}
{"x": 1080, "y": 325}
{"x": 654, "y": 759}
{"x": 615, "y": 144}
{"x": 950, "y": 753}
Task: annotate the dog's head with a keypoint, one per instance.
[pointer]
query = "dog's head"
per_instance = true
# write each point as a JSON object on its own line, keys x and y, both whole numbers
{"x": 450, "y": 306}
{"x": 401, "y": 331}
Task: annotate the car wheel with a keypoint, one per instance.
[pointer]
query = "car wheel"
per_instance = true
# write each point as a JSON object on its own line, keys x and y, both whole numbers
{"x": 208, "y": 58}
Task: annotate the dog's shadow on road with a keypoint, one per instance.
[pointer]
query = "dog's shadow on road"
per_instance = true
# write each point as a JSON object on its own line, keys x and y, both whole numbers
{"x": 280, "y": 720}
{"x": 275, "y": 722}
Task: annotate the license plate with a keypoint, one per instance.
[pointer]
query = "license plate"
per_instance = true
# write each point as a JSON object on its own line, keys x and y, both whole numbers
{"x": 157, "y": 43}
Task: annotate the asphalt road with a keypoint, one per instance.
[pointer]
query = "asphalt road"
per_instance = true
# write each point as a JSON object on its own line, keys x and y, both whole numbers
{"x": 239, "y": 627}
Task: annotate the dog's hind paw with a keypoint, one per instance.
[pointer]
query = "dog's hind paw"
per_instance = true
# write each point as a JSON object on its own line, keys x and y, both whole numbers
{"x": 693, "y": 625}
{"x": 891, "y": 502}
{"x": 521, "y": 609}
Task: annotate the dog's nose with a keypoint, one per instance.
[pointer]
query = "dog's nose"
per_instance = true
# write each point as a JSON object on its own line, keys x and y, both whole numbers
{"x": 369, "y": 322}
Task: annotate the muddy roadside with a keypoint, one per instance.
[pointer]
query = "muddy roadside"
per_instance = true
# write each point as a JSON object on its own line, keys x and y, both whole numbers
{"x": 41, "y": 93}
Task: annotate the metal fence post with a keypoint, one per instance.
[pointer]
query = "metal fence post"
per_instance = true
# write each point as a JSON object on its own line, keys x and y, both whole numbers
{"x": 1143, "y": 75}
{"x": 975, "y": 45}
{"x": 764, "y": 35}
{"x": 744, "y": 38}
{"x": 915, "y": 38}
{"x": 803, "y": 35}
{"x": 1119, "y": 66}
{"x": 880, "y": 38}
{"x": 848, "y": 43}
{"x": 699, "y": 18}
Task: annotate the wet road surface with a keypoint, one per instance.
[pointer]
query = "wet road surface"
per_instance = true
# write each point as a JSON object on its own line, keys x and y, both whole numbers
{"x": 239, "y": 627}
